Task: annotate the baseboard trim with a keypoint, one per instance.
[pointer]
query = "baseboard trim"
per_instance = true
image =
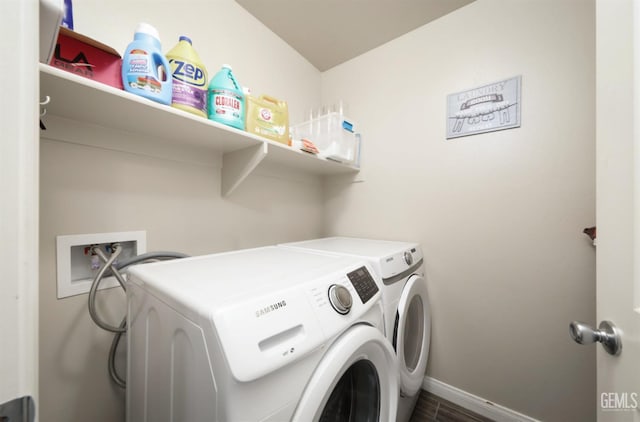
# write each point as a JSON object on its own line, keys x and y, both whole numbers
{"x": 474, "y": 403}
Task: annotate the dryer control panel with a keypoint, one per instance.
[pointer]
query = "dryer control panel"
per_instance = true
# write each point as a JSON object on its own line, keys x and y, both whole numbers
{"x": 363, "y": 283}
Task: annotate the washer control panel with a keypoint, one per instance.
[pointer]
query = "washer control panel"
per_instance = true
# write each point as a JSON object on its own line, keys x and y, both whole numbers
{"x": 364, "y": 284}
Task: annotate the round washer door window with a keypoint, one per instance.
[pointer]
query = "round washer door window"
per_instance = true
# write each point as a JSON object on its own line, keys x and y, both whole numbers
{"x": 356, "y": 397}
{"x": 356, "y": 380}
{"x": 412, "y": 334}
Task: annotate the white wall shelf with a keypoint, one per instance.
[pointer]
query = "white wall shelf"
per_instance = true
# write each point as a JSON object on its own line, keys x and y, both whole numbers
{"x": 83, "y": 100}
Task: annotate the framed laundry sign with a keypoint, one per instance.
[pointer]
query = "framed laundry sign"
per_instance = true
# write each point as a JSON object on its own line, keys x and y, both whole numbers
{"x": 484, "y": 109}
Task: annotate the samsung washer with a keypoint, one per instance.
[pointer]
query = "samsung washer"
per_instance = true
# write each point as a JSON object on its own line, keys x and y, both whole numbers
{"x": 405, "y": 300}
{"x": 266, "y": 334}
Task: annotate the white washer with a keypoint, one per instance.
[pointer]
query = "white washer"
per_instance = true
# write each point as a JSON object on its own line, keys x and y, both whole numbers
{"x": 405, "y": 301}
{"x": 267, "y": 334}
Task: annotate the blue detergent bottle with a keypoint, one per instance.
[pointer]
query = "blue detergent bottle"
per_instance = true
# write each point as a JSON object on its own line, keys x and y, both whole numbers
{"x": 145, "y": 70}
{"x": 226, "y": 99}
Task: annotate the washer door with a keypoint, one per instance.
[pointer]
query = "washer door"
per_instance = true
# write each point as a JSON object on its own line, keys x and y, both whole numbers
{"x": 412, "y": 334}
{"x": 356, "y": 380}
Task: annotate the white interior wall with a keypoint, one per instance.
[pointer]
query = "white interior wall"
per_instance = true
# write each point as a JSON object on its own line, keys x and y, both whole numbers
{"x": 499, "y": 215}
{"x": 19, "y": 208}
{"x": 175, "y": 199}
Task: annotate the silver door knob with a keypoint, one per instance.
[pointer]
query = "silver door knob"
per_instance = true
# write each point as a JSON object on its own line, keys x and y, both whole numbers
{"x": 607, "y": 334}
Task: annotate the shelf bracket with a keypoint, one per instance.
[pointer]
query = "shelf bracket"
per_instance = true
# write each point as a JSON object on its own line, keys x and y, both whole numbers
{"x": 237, "y": 165}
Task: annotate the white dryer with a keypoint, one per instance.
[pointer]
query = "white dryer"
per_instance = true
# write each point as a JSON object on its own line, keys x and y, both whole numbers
{"x": 407, "y": 315}
{"x": 267, "y": 334}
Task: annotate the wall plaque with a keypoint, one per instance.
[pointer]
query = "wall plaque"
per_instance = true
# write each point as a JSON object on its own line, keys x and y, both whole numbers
{"x": 484, "y": 109}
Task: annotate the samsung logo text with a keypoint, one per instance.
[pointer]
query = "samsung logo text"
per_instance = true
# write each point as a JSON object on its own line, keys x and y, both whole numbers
{"x": 268, "y": 309}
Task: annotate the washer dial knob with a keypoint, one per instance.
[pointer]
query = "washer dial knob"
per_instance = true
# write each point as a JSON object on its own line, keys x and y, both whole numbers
{"x": 408, "y": 258}
{"x": 340, "y": 299}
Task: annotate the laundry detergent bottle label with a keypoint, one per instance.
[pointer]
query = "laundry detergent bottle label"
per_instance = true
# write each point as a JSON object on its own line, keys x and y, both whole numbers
{"x": 189, "y": 78}
{"x": 226, "y": 100}
{"x": 227, "y": 104}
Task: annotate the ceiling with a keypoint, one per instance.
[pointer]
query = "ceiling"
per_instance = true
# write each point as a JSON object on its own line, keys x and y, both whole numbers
{"x": 330, "y": 32}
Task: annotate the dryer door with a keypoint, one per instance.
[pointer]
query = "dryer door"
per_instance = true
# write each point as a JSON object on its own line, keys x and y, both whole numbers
{"x": 412, "y": 333}
{"x": 356, "y": 380}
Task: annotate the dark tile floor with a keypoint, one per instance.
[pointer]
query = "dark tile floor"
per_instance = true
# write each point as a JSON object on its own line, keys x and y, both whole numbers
{"x": 431, "y": 408}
